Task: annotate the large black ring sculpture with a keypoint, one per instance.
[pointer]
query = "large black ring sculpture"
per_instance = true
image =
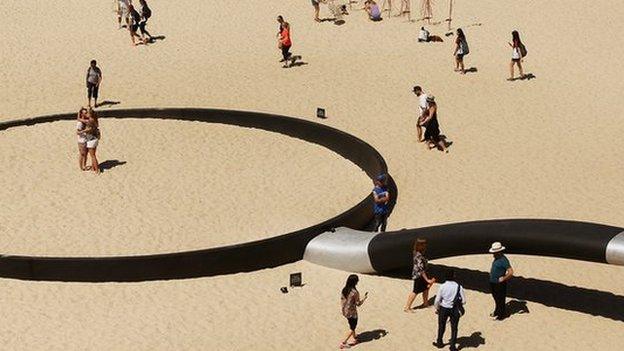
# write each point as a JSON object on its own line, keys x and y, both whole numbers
{"x": 245, "y": 257}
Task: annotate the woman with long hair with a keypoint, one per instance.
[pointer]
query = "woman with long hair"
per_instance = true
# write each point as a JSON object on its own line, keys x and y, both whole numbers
{"x": 81, "y": 124}
{"x": 516, "y": 54}
{"x": 422, "y": 282}
{"x": 92, "y": 135}
{"x": 461, "y": 50}
{"x": 350, "y": 299}
{"x": 430, "y": 121}
{"x": 284, "y": 43}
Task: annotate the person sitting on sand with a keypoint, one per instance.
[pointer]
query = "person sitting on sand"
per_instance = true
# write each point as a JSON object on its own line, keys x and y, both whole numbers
{"x": 349, "y": 300}
{"x": 430, "y": 121}
{"x": 81, "y": 124}
{"x": 424, "y": 36}
{"x": 517, "y": 53}
{"x": 371, "y": 7}
{"x": 422, "y": 282}
{"x": 92, "y": 136}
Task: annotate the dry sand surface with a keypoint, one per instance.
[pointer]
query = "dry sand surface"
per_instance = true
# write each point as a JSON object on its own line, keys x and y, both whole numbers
{"x": 550, "y": 147}
{"x": 172, "y": 186}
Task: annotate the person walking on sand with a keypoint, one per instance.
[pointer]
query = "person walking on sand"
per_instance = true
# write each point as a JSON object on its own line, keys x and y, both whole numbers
{"x": 81, "y": 124}
{"x": 122, "y": 12}
{"x": 146, "y": 13}
{"x": 430, "y": 122}
{"x": 381, "y": 197}
{"x": 134, "y": 26}
{"x": 461, "y": 50}
{"x": 94, "y": 78}
{"x": 422, "y": 282}
{"x": 517, "y": 54}
{"x": 500, "y": 273}
{"x": 92, "y": 136}
{"x": 284, "y": 43}
{"x": 449, "y": 304}
{"x": 350, "y": 300}
{"x": 422, "y": 107}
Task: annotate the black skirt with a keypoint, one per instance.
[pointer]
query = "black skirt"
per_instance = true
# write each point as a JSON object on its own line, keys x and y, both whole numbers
{"x": 420, "y": 285}
{"x": 432, "y": 131}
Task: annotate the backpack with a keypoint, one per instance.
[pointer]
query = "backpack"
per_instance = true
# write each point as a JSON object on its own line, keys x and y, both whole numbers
{"x": 523, "y": 50}
{"x": 463, "y": 46}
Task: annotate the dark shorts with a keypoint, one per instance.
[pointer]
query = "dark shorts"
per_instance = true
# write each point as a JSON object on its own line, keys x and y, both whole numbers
{"x": 92, "y": 90}
{"x": 460, "y": 56}
{"x": 134, "y": 27}
{"x": 315, "y": 3}
{"x": 420, "y": 285}
{"x": 515, "y": 60}
{"x": 352, "y": 323}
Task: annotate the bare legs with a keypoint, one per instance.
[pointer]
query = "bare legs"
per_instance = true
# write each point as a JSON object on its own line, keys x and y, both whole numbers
{"x": 317, "y": 8}
{"x": 95, "y": 166}
{"x": 82, "y": 158}
{"x": 412, "y": 296}
{"x": 420, "y": 133}
{"x": 511, "y": 69}
{"x": 459, "y": 65}
{"x": 350, "y": 335}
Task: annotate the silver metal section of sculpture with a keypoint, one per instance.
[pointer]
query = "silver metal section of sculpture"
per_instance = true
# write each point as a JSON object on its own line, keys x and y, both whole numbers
{"x": 345, "y": 249}
{"x": 615, "y": 250}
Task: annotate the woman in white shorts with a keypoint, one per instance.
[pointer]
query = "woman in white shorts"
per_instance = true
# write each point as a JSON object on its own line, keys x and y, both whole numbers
{"x": 122, "y": 11}
{"x": 92, "y": 135}
{"x": 81, "y": 123}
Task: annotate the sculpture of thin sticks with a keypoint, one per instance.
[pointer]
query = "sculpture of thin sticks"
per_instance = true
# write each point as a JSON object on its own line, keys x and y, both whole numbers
{"x": 426, "y": 10}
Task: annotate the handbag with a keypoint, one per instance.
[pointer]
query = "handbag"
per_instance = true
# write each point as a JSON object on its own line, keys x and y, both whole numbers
{"x": 458, "y": 303}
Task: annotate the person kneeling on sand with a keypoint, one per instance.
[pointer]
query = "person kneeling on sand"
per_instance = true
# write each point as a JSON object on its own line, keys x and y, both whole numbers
{"x": 371, "y": 7}
{"x": 425, "y": 37}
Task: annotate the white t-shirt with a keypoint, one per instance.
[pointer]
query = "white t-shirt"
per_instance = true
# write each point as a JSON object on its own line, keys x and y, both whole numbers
{"x": 424, "y": 35}
{"x": 422, "y": 103}
{"x": 515, "y": 54}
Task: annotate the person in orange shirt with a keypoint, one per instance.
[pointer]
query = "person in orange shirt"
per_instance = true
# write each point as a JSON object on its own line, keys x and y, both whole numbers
{"x": 285, "y": 43}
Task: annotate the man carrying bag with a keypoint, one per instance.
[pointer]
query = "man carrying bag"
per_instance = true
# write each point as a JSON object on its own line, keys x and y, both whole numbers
{"x": 449, "y": 304}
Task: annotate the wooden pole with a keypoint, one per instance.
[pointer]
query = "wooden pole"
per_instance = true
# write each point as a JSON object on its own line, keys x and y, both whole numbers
{"x": 450, "y": 14}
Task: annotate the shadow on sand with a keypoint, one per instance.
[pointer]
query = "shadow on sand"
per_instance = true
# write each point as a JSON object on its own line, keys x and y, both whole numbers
{"x": 371, "y": 335}
{"x": 110, "y": 164}
{"x": 473, "y": 341}
{"x": 552, "y": 294}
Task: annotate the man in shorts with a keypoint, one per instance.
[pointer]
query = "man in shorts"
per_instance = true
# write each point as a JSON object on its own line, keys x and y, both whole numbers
{"x": 94, "y": 78}
{"x": 122, "y": 11}
{"x": 422, "y": 107}
{"x": 381, "y": 198}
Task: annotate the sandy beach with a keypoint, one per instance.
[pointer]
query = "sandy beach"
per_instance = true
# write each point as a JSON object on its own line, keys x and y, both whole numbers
{"x": 549, "y": 147}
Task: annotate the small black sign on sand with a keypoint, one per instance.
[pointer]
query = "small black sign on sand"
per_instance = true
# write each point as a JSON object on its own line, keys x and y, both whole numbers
{"x": 296, "y": 280}
{"x": 320, "y": 113}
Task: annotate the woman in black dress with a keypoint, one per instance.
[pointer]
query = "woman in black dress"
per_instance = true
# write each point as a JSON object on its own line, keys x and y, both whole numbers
{"x": 422, "y": 282}
{"x": 430, "y": 122}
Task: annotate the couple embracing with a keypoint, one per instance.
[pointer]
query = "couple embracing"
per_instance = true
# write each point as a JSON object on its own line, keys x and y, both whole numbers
{"x": 88, "y": 132}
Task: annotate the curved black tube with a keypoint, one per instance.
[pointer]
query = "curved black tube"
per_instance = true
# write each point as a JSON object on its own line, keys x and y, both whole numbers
{"x": 222, "y": 260}
{"x": 540, "y": 237}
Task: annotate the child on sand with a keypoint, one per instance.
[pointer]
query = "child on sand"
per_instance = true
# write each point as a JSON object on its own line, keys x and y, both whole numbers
{"x": 350, "y": 299}
{"x": 374, "y": 14}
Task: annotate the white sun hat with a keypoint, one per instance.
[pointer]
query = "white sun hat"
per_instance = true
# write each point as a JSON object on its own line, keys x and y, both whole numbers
{"x": 497, "y": 247}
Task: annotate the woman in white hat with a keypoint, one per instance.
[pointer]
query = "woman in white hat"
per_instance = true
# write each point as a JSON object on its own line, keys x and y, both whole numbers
{"x": 500, "y": 273}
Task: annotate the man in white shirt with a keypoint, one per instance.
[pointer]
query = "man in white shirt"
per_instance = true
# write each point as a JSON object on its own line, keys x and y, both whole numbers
{"x": 423, "y": 106}
{"x": 447, "y": 303}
